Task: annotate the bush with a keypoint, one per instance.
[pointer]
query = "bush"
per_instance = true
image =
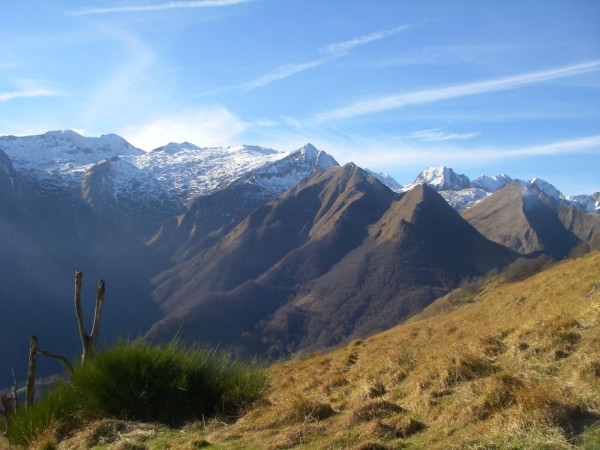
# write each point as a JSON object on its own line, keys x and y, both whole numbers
{"x": 138, "y": 381}
{"x": 525, "y": 267}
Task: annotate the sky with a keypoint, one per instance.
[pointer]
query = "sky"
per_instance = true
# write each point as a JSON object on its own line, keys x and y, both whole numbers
{"x": 483, "y": 87}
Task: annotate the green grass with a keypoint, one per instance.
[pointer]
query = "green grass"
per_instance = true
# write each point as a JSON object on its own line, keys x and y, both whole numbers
{"x": 138, "y": 381}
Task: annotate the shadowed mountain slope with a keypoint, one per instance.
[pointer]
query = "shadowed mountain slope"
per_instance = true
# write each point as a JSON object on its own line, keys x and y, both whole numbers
{"x": 212, "y": 216}
{"x": 337, "y": 256}
{"x": 527, "y": 221}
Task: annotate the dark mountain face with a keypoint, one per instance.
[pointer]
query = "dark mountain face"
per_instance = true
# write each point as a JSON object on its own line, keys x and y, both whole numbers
{"x": 315, "y": 209}
{"x": 45, "y": 234}
{"x": 527, "y": 221}
{"x": 133, "y": 209}
{"x": 337, "y": 256}
{"x": 211, "y": 217}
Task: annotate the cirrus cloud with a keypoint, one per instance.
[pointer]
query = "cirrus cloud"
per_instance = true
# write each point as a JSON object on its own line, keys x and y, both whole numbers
{"x": 156, "y": 7}
{"x": 432, "y": 95}
{"x": 438, "y": 135}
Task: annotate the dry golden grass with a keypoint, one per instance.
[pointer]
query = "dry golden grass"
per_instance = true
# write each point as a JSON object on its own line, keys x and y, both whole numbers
{"x": 515, "y": 366}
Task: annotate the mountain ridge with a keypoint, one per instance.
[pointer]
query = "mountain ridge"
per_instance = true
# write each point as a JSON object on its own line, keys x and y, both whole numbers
{"x": 462, "y": 193}
{"x": 313, "y": 259}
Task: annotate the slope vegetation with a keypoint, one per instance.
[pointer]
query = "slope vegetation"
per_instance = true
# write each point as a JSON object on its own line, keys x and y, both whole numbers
{"x": 517, "y": 365}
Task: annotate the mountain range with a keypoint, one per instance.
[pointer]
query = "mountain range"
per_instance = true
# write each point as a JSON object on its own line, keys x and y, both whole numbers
{"x": 247, "y": 247}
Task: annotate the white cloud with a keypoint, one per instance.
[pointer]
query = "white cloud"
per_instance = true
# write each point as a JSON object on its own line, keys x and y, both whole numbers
{"x": 578, "y": 145}
{"x": 156, "y": 7}
{"x": 206, "y": 126}
{"x": 5, "y": 96}
{"x": 437, "y": 135}
{"x": 29, "y": 88}
{"x": 341, "y": 48}
{"x": 456, "y": 91}
{"x": 286, "y": 70}
{"x": 385, "y": 154}
{"x": 280, "y": 73}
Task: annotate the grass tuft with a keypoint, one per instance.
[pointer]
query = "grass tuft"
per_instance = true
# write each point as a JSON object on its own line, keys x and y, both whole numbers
{"x": 141, "y": 382}
{"x": 299, "y": 408}
{"x": 375, "y": 409}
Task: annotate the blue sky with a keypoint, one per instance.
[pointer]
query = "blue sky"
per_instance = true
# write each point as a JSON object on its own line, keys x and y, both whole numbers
{"x": 484, "y": 87}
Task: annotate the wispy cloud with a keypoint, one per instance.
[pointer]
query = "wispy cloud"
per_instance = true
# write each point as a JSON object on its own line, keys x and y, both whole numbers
{"x": 28, "y": 88}
{"x": 386, "y": 155}
{"x": 128, "y": 85}
{"x": 437, "y": 135}
{"x": 280, "y": 73}
{"x": 156, "y": 7}
{"x": 456, "y": 91}
{"x": 331, "y": 51}
{"x": 341, "y": 48}
{"x": 583, "y": 144}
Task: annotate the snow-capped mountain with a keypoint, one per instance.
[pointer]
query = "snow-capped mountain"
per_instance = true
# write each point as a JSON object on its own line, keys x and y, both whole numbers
{"x": 175, "y": 173}
{"x": 63, "y": 156}
{"x": 492, "y": 184}
{"x": 189, "y": 171}
{"x": 107, "y": 169}
{"x": 386, "y": 179}
{"x": 462, "y": 193}
{"x": 441, "y": 179}
{"x": 277, "y": 177}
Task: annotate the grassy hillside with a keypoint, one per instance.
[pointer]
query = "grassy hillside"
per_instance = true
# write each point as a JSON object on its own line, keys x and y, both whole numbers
{"x": 511, "y": 365}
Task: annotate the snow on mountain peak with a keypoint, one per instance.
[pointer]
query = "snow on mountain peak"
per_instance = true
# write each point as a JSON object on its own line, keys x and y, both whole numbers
{"x": 309, "y": 149}
{"x": 318, "y": 158}
{"x": 173, "y": 147}
{"x": 546, "y": 188}
{"x": 492, "y": 184}
{"x": 281, "y": 175}
{"x": 441, "y": 179}
{"x": 387, "y": 180}
{"x": 63, "y": 154}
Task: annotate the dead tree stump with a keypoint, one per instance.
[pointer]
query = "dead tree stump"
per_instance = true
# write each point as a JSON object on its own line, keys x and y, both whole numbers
{"x": 88, "y": 342}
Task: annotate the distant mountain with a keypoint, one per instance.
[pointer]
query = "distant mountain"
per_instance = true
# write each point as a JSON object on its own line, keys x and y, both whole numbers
{"x": 215, "y": 214}
{"x": 527, "y": 220}
{"x": 441, "y": 179}
{"x": 462, "y": 193}
{"x": 387, "y": 180}
{"x": 147, "y": 188}
{"x": 337, "y": 256}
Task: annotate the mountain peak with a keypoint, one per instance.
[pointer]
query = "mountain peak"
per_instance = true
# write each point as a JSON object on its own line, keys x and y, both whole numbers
{"x": 546, "y": 188}
{"x": 173, "y": 147}
{"x": 309, "y": 149}
{"x": 317, "y": 158}
{"x": 441, "y": 178}
{"x": 492, "y": 184}
{"x": 64, "y": 134}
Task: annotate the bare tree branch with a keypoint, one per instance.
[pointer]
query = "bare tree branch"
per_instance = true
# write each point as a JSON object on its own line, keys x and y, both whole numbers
{"x": 97, "y": 315}
{"x": 59, "y": 357}
{"x": 78, "y": 311}
{"x": 33, "y": 348}
{"x": 15, "y": 388}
